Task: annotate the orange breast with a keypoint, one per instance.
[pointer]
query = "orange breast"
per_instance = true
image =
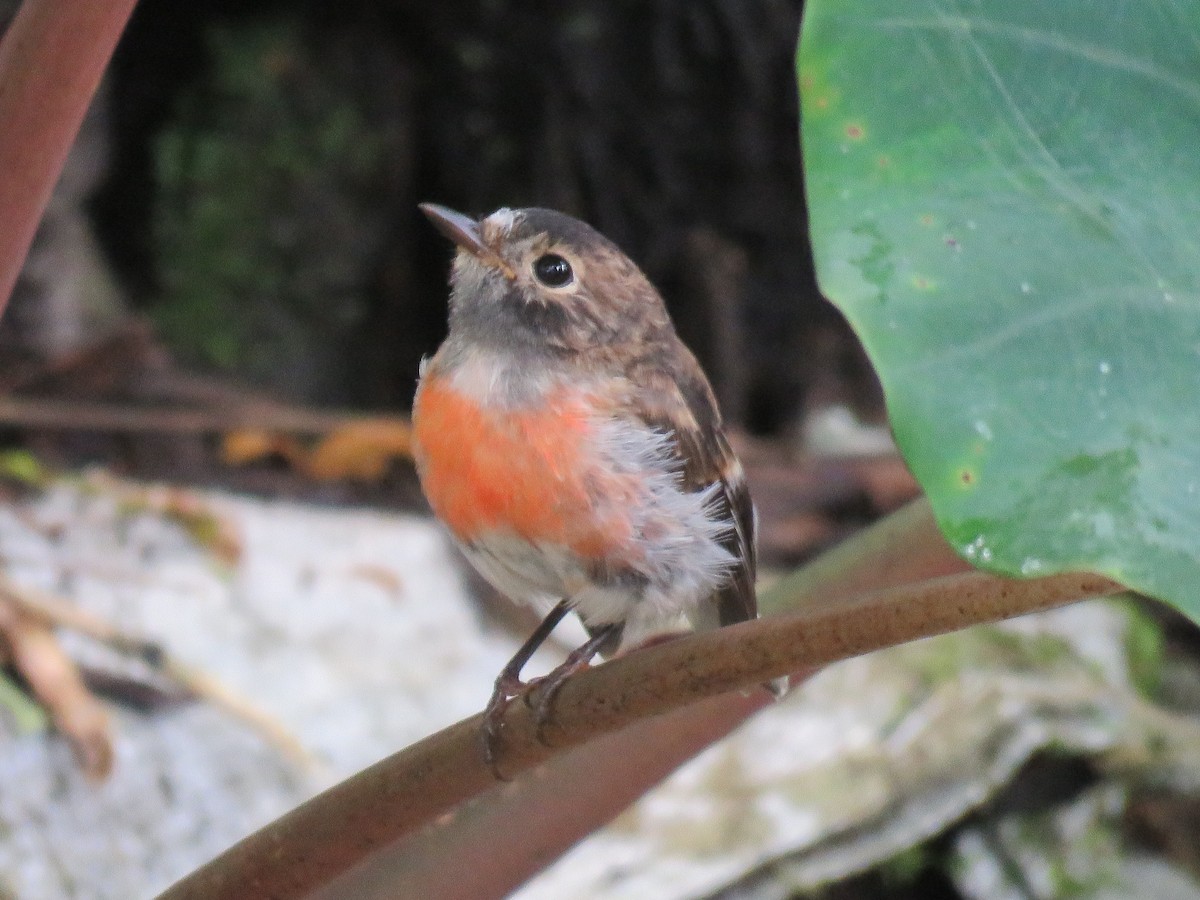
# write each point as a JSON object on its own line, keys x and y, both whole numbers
{"x": 524, "y": 472}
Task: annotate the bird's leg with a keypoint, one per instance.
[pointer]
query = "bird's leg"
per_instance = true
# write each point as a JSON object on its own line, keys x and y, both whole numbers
{"x": 510, "y": 685}
{"x": 549, "y": 685}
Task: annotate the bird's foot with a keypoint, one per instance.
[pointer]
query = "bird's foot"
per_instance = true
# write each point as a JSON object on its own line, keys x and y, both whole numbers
{"x": 508, "y": 687}
{"x": 539, "y": 693}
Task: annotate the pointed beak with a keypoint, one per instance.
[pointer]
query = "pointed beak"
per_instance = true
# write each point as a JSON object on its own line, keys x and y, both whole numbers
{"x": 463, "y": 230}
{"x": 466, "y": 234}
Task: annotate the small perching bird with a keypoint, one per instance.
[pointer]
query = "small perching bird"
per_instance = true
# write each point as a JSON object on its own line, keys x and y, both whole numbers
{"x": 572, "y": 445}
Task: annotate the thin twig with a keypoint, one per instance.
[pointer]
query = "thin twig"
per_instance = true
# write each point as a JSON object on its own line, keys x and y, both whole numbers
{"x": 56, "y": 682}
{"x": 73, "y": 415}
{"x": 55, "y": 612}
{"x": 207, "y": 688}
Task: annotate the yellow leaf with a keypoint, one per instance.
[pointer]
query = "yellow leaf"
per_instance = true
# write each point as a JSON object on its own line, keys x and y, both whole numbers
{"x": 360, "y": 450}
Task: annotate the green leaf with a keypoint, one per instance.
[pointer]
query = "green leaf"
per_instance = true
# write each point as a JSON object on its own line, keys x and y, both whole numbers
{"x": 1005, "y": 202}
{"x": 28, "y": 716}
{"x": 23, "y": 467}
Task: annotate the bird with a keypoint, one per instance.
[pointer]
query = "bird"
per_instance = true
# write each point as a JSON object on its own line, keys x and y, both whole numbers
{"x": 572, "y": 446}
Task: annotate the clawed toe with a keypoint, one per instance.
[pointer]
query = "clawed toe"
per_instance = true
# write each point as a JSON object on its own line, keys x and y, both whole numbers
{"x": 538, "y": 693}
{"x": 540, "y": 698}
{"x": 507, "y": 690}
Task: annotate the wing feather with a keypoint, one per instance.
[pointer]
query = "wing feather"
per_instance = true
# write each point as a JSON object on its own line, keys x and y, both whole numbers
{"x": 681, "y": 404}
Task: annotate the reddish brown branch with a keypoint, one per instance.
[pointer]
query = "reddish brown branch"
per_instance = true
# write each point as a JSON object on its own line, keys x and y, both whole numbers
{"x": 51, "y": 60}
{"x": 557, "y": 804}
{"x": 325, "y": 837}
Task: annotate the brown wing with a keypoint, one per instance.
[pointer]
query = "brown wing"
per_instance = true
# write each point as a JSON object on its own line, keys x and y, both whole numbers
{"x": 674, "y": 397}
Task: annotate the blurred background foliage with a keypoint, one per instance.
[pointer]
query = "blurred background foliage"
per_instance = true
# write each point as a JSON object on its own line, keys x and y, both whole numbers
{"x": 267, "y": 213}
{"x": 265, "y": 159}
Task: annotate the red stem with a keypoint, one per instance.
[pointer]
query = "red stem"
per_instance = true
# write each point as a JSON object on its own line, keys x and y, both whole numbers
{"x": 51, "y": 60}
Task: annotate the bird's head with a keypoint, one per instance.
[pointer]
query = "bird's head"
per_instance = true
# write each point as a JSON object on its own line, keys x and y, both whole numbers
{"x": 538, "y": 277}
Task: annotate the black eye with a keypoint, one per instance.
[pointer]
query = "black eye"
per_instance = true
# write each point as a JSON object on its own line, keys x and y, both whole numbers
{"x": 552, "y": 270}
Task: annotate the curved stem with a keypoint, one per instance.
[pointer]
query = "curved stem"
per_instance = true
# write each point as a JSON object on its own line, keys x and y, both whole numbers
{"x": 514, "y": 831}
{"x": 51, "y": 61}
{"x": 902, "y": 548}
{"x": 325, "y": 837}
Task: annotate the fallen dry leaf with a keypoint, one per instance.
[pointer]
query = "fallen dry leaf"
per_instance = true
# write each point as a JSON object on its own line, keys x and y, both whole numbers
{"x": 250, "y": 445}
{"x": 359, "y": 450}
{"x": 380, "y": 576}
{"x": 207, "y": 526}
{"x": 56, "y": 682}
